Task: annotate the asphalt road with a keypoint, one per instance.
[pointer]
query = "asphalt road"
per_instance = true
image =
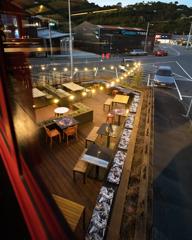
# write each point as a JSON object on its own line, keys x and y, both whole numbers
{"x": 172, "y": 165}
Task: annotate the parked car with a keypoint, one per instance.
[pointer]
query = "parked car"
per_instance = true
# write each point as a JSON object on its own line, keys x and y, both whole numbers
{"x": 138, "y": 52}
{"x": 164, "y": 77}
{"x": 160, "y": 52}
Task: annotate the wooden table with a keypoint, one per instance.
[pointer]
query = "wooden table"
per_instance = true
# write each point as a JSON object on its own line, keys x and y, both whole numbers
{"x": 37, "y": 93}
{"x": 65, "y": 122}
{"x": 109, "y": 131}
{"x": 120, "y": 112}
{"x": 73, "y": 86}
{"x": 72, "y": 211}
{"x": 122, "y": 99}
{"x": 97, "y": 155}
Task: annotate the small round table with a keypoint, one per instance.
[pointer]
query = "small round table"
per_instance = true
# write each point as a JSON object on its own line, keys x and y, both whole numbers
{"x": 60, "y": 110}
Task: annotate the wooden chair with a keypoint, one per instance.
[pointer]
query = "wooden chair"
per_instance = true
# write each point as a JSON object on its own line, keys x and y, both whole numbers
{"x": 51, "y": 134}
{"x": 70, "y": 131}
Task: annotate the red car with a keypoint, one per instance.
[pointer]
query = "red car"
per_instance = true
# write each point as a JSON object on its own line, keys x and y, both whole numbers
{"x": 160, "y": 52}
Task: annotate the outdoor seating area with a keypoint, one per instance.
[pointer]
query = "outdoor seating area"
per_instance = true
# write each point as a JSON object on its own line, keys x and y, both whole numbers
{"x": 92, "y": 148}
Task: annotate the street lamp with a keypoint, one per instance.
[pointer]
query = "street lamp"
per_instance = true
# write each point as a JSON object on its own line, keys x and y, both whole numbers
{"x": 70, "y": 39}
{"x": 50, "y": 38}
{"x": 189, "y": 36}
{"x": 145, "y": 45}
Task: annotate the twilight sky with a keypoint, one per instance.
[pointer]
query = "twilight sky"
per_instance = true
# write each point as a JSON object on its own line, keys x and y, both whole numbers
{"x": 128, "y": 2}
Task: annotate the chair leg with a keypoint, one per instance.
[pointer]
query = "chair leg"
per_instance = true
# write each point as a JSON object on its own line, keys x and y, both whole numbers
{"x": 59, "y": 138}
{"x": 84, "y": 224}
{"x": 51, "y": 142}
{"x": 84, "y": 178}
{"x": 74, "y": 179}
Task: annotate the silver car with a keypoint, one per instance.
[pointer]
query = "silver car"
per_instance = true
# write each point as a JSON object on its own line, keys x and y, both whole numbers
{"x": 164, "y": 77}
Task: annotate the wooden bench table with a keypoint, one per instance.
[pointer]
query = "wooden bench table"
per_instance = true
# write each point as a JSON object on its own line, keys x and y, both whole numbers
{"x": 72, "y": 211}
{"x": 80, "y": 167}
{"x": 91, "y": 137}
{"x": 108, "y": 103}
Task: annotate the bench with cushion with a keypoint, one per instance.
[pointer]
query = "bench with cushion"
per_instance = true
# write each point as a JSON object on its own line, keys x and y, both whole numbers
{"x": 92, "y": 135}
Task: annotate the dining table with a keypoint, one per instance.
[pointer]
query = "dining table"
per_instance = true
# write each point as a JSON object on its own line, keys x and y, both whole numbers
{"x": 61, "y": 110}
{"x": 120, "y": 112}
{"x": 65, "y": 122}
{"x": 108, "y": 130}
{"x": 98, "y": 155}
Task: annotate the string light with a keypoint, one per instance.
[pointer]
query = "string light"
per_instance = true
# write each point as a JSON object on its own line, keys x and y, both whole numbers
{"x": 84, "y": 94}
{"x": 86, "y": 69}
{"x": 93, "y": 90}
{"x": 30, "y": 67}
{"x": 94, "y": 68}
{"x": 65, "y": 69}
{"x": 103, "y": 68}
{"x": 101, "y": 88}
{"x": 76, "y": 69}
{"x": 71, "y": 97}
{"x": 43, "y": 68}
{"x": 117, "y": 80}
{"x": 112, "y": 67}
{"x": 55, "y": 100}
{"x": 112, "y": 83}
{"x": 54, "y": 69}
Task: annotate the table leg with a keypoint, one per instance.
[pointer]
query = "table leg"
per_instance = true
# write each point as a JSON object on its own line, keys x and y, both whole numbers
{"x": 97, "y": 172}
{"x": 119, "y": 117}
{"x": 108, "y": 140}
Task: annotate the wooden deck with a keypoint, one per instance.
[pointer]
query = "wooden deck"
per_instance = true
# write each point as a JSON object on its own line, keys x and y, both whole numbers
{"x": 58, "y": 162}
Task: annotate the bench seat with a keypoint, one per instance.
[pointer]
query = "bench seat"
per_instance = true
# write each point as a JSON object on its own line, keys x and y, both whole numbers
{"x": 80, "y": 167}
{"x": 91, "y": 137}
{"x": 108, "y": 103}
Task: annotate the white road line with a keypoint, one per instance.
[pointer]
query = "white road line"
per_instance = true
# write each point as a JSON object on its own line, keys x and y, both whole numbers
{"x": 183, "y": 80}
{"x": 181, "y": 76}
{"x": 180, "y": 96}
{"x": 184, "y": 96}
{"x": 184, "y": 70}
{"x": 178, "y": 53}
{"x": 152, "y": 63}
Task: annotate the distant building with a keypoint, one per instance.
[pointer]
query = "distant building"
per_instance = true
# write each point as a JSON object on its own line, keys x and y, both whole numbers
{"x": 112, "y": 39}
{"x": 60, "y": 41}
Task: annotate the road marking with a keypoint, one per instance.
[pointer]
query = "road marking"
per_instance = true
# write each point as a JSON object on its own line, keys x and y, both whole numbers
{"x": 184, "y": 96}
{"x": 184, "y": 70}
{"x": 178, "y": 53}
{"x": 152, "y": 63}
{"x": 180, "y": 76}
{"x": 179, "y": 93}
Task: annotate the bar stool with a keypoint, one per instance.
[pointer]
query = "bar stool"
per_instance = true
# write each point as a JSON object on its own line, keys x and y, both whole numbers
{"x": 110, "y": 118}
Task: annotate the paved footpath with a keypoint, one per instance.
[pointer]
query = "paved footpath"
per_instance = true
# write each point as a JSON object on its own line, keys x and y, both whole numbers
{"x": 172, "y": 207}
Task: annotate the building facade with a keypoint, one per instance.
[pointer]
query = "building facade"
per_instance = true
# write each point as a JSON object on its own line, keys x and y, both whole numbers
{"x": 110, "y": 39}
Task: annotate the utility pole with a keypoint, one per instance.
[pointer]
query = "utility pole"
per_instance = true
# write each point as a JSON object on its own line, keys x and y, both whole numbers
{"x": 189, "y": 36}
{"x": 70, "y": 39}
{"x": 50, "y": 39}
{"x": 145, "y": 45}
